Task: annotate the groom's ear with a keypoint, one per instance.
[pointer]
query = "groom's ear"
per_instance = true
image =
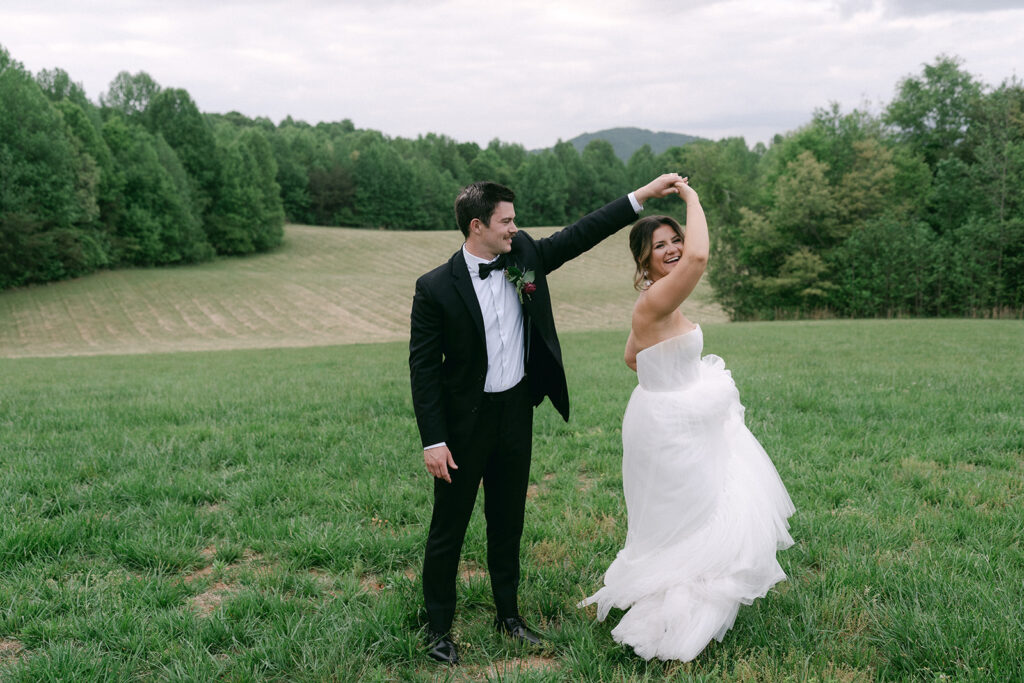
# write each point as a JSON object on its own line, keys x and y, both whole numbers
{"x": 476, "y": 226}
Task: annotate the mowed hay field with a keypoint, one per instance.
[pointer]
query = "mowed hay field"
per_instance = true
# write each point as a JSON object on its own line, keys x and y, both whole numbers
{"x": 324, "y": 286}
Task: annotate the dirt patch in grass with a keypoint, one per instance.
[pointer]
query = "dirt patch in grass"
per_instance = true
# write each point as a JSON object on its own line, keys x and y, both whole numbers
{"x": 198, "y": 574}
{"x": 505, "y": 668}
{"x": 374, "y": 583}
{"x": 549, "y": 552}
{"x": 471, "y": 570}
{"x": 249, "y": 560}
{"x": 371, "y": 583}
{"x": 324, "y": 580}
{"x": 536, "y": 663}
{"x": 533, "y": 490}
{"x": 250, "y": 557}
{"x": 585, "y": 482}
{"x": 10, "y": 650}
{"x": 208, "y": 601}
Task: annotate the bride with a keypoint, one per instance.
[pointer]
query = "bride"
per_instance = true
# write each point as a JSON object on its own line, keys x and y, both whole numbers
{"x": 707, "y": 510}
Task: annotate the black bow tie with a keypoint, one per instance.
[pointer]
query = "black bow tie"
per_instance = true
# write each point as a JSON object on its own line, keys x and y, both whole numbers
{"x": 486, "y": 268}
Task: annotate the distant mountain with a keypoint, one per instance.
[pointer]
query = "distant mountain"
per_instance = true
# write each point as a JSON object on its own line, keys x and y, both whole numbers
{"x": 625, "y": 141}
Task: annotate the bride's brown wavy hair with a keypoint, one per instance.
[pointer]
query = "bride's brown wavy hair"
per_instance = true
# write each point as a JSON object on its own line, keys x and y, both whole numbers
{"x": 641, "y": 244}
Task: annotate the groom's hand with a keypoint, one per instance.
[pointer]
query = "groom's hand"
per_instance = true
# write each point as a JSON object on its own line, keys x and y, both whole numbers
{"x": 662, "y": 186}
{"x": 438, "y": 460}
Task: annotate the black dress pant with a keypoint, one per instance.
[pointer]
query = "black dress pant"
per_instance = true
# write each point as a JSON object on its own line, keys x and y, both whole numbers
{"x": 498, "y": 452}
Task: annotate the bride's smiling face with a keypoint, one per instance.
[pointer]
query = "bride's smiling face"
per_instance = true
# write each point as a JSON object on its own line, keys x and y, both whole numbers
{"x": 666, "y": 249}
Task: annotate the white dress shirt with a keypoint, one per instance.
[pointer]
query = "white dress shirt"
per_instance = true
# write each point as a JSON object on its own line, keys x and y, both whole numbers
{"x": 503, "y": 326}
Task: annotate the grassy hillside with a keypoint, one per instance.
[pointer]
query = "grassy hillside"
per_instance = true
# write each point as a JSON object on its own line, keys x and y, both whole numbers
{"x": 324, "y": 286}
{"x": 260, "y": 515}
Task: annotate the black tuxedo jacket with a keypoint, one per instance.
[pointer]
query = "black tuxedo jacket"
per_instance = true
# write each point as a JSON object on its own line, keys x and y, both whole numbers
{"x": 447, "y": 348}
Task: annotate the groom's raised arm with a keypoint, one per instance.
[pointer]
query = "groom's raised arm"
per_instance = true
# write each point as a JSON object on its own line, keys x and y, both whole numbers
{"x": 570, "y": 242}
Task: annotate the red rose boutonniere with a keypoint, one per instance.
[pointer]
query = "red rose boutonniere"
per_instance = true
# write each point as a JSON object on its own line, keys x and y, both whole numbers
{"x": 523, "y": 282}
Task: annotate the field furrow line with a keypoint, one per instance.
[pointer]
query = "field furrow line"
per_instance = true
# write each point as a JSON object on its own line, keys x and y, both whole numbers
{"x": 318, "y": 298}
{"x": 322, "y": 286}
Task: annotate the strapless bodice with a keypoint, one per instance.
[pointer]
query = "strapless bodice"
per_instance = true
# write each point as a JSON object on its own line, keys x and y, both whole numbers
{"x": 671, "y": 364}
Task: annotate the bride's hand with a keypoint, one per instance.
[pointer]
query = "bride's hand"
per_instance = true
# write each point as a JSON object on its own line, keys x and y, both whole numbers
{"x": 686, "y": 193}
{"x": 662, "y": 186}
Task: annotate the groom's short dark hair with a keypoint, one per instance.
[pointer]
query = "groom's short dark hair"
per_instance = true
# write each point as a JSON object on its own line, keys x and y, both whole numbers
{"x": 478, "y": 201}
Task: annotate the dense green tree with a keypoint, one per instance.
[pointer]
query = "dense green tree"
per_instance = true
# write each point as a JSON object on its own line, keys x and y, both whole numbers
{"x": 268, "y": 224}
{"x": 154, "y": 221}
{"x": 931, "y": 113}
{"x": 130, "y": 94}
{"x": 724, "y": 173}
{"x": 331, "y": 192}
{"x": 444, "y": 154}
{"x": 468, "y": 151}
{"x": 87, "y": 176}
{"x": 232, "y": 216}
{"x": 887, "y": 267}
{"x": 300, "y": 154}
{"x": 579, "y": 181}
{"x": 512, "y": 155}
{"x": 172, "y": 113}
{"x": 248, "y": 216}
{"x": 542, "y": 191}
{"x": 831, "y": 136}
{"x": 996, "y": 177}
{"x": 806, "y": 206}
{"x": 489, "y": 165}
{"x": 87, "y": 130}
{"x": 435, "y": 191}
{"x": 867, "y": 189}
{"x": 609, "y": 173}
{"x": 47, "y": 187}
{"x": 382, "y": 196}
{"x": 642, "y": 166}
{"x": 57, "y": 85}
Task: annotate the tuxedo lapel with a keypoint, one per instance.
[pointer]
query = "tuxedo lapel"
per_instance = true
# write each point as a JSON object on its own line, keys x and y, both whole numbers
{"x": 519, "y": 260}
{"x": 463, "y": 285}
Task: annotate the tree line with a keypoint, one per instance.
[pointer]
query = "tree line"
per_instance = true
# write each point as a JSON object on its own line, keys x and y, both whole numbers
{"x": 916, "y": 210}
{"x": 142, "y": 179}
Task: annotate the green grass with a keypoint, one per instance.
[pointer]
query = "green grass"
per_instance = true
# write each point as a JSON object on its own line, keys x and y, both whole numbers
{"x": 260, "y": 514}
{"x": 323, "y": 286}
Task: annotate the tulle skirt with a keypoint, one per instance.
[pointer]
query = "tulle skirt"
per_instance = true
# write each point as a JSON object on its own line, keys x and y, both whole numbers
{"x": 707, "y": 513}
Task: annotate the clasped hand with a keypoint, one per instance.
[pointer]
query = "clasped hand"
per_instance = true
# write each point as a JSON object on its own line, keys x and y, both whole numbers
{"x": 663, "y": 186}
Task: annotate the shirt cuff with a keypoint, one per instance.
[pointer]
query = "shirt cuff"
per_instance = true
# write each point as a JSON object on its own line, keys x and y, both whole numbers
{"x": 637, "y": 206}
{"x": 439, "y": 443}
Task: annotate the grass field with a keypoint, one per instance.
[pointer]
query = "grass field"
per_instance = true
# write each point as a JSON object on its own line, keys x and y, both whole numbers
{"x": 323, "y": 286}
{"x": 260, "y": 514}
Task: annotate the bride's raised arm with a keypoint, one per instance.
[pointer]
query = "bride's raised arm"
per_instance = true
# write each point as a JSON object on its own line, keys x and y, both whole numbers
{"x": 665, "y": 295}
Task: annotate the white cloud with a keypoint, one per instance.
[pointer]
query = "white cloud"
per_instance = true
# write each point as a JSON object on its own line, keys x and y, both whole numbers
{"x": 529, "y": 72}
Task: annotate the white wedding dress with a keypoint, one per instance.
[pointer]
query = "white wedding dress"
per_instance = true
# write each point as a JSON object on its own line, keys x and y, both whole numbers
{"x": 707, "y": 510}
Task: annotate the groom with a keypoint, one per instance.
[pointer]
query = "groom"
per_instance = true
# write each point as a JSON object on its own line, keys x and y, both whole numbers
{"x": 482, "y": 353}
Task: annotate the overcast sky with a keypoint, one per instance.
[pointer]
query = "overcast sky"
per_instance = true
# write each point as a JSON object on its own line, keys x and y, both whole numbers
{"x": 523, "y": 71}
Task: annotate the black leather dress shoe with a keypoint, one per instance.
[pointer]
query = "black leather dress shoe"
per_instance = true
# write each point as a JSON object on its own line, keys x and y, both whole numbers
{"x": 442, "y": 648}
{"x": 516, "y": 628}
